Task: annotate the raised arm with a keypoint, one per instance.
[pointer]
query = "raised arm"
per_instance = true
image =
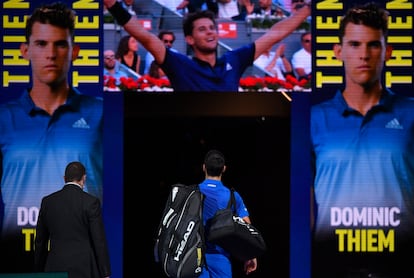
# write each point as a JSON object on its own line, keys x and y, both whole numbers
{"x": 133, "y": 27}
{"x": 281, "y": 30}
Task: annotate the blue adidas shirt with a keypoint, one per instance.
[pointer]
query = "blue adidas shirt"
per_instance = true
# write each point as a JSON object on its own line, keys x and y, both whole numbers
{"x": 186, "y": 74}
{"x": 364, "y": 166}
{"x": 36, "y": 147}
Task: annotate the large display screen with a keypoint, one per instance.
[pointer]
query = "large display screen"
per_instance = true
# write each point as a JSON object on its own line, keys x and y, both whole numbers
{"x": 163, "y": 135}
{"x": 37, "y": 143}
{"x": 361, "y": 138}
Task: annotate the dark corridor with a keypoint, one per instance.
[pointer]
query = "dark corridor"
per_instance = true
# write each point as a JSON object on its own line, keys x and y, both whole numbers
{"x": 162, "y": 149}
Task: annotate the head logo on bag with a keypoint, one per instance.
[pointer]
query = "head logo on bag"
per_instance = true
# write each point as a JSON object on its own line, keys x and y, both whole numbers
{"x": 179, "y": 246}
{"x": 180, "y": 249}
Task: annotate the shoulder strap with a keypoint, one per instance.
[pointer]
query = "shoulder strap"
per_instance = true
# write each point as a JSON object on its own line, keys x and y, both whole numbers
{"x": 232, "y": 200}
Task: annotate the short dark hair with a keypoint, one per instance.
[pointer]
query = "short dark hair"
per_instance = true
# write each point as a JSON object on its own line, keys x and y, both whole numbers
{"x": 56, "y": 14}
{"x": 166, "y": 32}
{"x": 74, "y": 171}
{"x": 191, "y": 17}
{"x": 368, "y": 14}
{"x": 304, "y": 34}
{"x": 214, "y": 162}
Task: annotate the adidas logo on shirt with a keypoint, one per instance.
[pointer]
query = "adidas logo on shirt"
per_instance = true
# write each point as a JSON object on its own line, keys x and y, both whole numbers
{"x": 228, "y": 67}
{"x": 81, "y": 123}
{"x": 394, "y": 123}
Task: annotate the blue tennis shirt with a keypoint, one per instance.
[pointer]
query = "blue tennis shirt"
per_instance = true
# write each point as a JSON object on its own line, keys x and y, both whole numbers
{"x": 36, "y": 147}
{"x": 194, "y": 75}
{"x": 217, "y": 197}
{"x": 364, "y": 168}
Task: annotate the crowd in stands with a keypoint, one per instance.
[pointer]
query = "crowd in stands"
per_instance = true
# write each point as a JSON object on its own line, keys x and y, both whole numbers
{"x": 239, "y": 9}
{"x": 127, "y": 53}
{"x": 302, "y": 59}
{"x": 168, "y": 38}
{"x": 234, "y": 9}
{"x": 275, "y": 63}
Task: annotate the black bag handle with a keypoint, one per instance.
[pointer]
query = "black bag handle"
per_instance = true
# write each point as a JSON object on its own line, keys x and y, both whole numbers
{"x": 232, "y": 201}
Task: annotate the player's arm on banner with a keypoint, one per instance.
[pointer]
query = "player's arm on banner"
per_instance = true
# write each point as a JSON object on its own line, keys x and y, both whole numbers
{"x": 130, "y": 23}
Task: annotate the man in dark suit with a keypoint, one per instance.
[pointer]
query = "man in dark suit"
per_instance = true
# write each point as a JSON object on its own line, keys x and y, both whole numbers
{"x": 72, "y": 220}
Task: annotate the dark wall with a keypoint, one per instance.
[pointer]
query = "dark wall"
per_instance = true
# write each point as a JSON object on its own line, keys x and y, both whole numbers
{"x": 162, "y": 149}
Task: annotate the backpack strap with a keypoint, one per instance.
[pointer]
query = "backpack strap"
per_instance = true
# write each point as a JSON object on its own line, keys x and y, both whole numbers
{"x": 202, "y": 228}
{"x": 232, "y": 201}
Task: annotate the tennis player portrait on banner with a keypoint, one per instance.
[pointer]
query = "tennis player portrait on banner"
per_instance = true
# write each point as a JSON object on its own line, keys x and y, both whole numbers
{"x": 51, "y": 113}
{"x": 362, "y": 138}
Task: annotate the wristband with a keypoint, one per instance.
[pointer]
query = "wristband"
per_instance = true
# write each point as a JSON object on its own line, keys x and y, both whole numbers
{"x": 121, "y": 15}
{"x": 302, "y": 4}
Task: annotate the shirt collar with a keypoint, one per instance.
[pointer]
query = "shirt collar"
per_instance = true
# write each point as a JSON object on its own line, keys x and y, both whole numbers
{"x": 74, "y": 183}
{"x": 385, "y": 102}
{"x": 72, "y": 102}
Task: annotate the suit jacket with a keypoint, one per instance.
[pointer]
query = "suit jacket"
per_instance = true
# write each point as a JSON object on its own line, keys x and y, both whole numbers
{"x": 72, "y": 220}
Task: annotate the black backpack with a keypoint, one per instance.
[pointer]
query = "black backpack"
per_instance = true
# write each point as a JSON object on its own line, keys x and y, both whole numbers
{"x": 179, "y": 245}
